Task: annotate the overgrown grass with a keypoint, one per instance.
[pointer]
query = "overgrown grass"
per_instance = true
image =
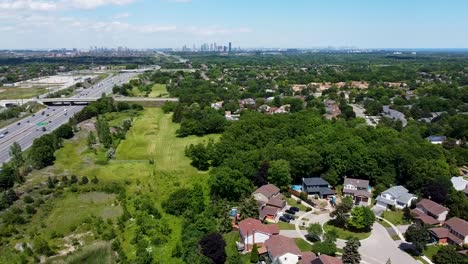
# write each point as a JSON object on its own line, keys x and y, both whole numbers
{"x": 20, "y": 93}
{"x": 231, "y": 249}
{"x": 303, "y": 245}
{"x": 98, "y": 253}
{"x": 151, "y": 137}
{"x": 159, "y": 90}
{"x": 344, "y": 234}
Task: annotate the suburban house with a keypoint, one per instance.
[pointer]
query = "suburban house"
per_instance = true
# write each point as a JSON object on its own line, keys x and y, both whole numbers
{"x": 359, "y": 190}
{"x": 268, "y": 214}
{"x": 265, "y": 193}
{"x": 430, "y": 213}
{"x": 282, "y": 250}
{"x": 325, "y": 259}
{"x": 397, "y": 196}
{"x": 317, "y": 186}
{"x": 252, "y": 231}
{"x": 307, "y": 257}
{"x": 454, "y": 231}
{"x": 332, "y": 109}
{"x": 394, "y": 114}
{"x": 437, "y": 140}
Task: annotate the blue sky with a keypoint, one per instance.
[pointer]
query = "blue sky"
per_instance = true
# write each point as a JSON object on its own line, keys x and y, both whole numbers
{"x": 246, "y": 23}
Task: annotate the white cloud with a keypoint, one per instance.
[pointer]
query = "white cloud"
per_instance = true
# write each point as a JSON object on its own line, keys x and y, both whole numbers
{"x": 28, "y": 5}
{"x": 92, "y": 4}
{"x": 121, "y": 15}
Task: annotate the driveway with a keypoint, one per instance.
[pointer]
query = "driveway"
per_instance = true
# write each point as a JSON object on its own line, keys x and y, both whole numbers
{"x": 379, "y": 247}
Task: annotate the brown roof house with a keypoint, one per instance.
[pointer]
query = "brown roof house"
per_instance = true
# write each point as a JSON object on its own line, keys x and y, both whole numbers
{"x": 325, "y": 259}
{"x": 454, "y": 231}
{"x": 264, "y": 193}
{"x": 252, "y": 231}
{"x": 268, "y": 214}
{"x": 283, "y": 250}
{"x": 430, "y": 212}
{"x": 359, "y": 190}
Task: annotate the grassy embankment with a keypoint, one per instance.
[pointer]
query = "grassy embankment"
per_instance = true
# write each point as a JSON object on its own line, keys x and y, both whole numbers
{"x": 152, "y": 137}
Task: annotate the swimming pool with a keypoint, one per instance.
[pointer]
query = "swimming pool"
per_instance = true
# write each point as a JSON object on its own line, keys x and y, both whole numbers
{"x": 296, "y": 188}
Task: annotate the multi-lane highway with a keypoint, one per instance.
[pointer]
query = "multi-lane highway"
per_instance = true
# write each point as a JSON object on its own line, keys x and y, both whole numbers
{"x": 25, "y": 131}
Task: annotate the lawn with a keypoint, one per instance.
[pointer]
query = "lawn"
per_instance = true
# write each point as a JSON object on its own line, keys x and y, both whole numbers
{"x": 286, "y": 226}
{"x": 20, "y": 93}
{"x": 431, "y": 251}
{"x": 344, "y": 234}
{"x": 293, "y": 202}
{"x": 159, "y": 90}
{"x": 303, "y": 245}
{"x": 395, "y": 217}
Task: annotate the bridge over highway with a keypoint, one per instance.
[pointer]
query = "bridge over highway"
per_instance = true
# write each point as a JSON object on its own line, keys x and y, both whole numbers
{"x": 86, "y": 100}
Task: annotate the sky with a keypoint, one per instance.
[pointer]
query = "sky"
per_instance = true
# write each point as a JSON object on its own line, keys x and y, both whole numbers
{"x": 31, "y": 24}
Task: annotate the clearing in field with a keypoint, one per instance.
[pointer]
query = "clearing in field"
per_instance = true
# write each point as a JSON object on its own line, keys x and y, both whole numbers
{"x": 20, "y": 93}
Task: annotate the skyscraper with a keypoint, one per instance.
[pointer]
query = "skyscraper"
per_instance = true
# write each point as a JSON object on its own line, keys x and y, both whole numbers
{"x": 230, "y": 47}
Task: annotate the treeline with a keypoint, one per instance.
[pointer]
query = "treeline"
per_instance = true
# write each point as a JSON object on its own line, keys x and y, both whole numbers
{"x": 304, "y": 145}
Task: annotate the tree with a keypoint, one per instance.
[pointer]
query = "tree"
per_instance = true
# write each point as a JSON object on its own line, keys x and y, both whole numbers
{"x": 279, "y": 174}
{"x": 199, "y": 155}
{"x": 64, "y": 131}
{"x": 16, "y": 155}
{"x": 449, "y": 255}
{"x": 103, "y": 131}
{"x": 73, "y": 179}
{"x": 213, "y": 247}
{"x": 436, "y": 192}
{"x": 362, "y": 218}
{"x": 41, "y": 246}
{"x": 262, "y": 174}
{"x": 351, "y": 251}
{"x": 341, "y": 213}
{"x": 314, "y": 232}
{"x": 326, "y": 248}
{"x": 248, "y": 208}
{"x": 254, "y": 254}
{"x": 418, "y": 236}
{"x": 330, "y": 236}
{"x": 91, "y": 140}
{"x": 84, "y": 180}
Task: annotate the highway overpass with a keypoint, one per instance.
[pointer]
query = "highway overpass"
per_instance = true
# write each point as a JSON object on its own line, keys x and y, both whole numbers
{"x": 86, "y": 100}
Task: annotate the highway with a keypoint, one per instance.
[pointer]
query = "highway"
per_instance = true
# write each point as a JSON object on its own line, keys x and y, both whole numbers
{"x": 25, "y": 131}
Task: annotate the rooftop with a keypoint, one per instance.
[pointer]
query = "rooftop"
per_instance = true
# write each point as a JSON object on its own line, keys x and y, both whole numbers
{"x": 268, "y": 190}
{"x": 315, "y": 181}
{"x": 279, "y": 245}
{"x": 432, "y": 207}
{"x": 356, "y": 182}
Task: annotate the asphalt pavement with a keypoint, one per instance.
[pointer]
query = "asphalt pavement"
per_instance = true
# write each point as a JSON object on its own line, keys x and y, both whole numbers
{"x": 47, "y": 120}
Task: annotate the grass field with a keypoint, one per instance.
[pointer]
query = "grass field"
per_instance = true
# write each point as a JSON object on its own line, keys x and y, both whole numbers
{"x": 344, "y": 234}
{"x": 20, "y": 93}
{"x": 151, "y": 137}
{"x": 303, "y": 245}
{"x": 158, "y": 90}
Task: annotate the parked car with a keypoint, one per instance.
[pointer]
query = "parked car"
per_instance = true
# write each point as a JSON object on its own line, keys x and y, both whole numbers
{"x": 295, "y": 209}
{"x": 44, "y": 129}
{"x": 288, "y": 216}
{"x": 284, "y": 219}
{"x": 289, "y": 211}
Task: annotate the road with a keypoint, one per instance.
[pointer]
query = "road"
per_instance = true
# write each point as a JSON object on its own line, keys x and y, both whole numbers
{"x": 25, "y": 131}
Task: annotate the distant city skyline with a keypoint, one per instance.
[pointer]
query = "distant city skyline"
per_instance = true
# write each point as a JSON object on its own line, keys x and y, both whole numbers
{"x": 139, "y": 24}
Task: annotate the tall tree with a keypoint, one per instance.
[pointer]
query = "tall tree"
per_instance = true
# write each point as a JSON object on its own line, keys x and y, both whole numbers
{"x": 249, "y": 208}
{"x": 279, "y": 174}
{"x": 362, "y": 218}
{"x": 16, "y": 155}
{"x": 262, "y": 174}
{"x": 213, "y": 247}
{"x": 341, "y": 213}
{"x": 449, "y": 255}
{"x": 314, "y": 232}
{"x": 418, "y": 235}
{"x": 351, "y": 251}
{"x": 103, "y": 132}
{"x": 254, "y": 254}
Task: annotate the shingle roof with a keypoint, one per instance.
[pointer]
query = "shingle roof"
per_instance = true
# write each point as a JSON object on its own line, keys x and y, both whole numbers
{"x": 268, "y": 210}
{"x": 458, "y": 224}
{"x": 307, "y": 257}
{"x": 400, "y": 193}
{"x": 425, "y": 218}
{"x": 432, "y": 207}
{"x": 276, "y": 202}
{"x": 279, "y": 245}
{"x": 315, "y": 181}
{"x": 247, "y": 226}
{"x": 356, "y": 182}
{"x": 320, "y": 190}
{"x": 325, "y": 259}
{"x": 268, "y": 190}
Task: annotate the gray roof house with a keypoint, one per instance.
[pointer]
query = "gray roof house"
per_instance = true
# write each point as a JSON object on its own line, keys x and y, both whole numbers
{"x": 358, "y": 189}
{"x": 397, "y": 196}
{"x": 317, "y": 186}
{"x": 394, "y": 114}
